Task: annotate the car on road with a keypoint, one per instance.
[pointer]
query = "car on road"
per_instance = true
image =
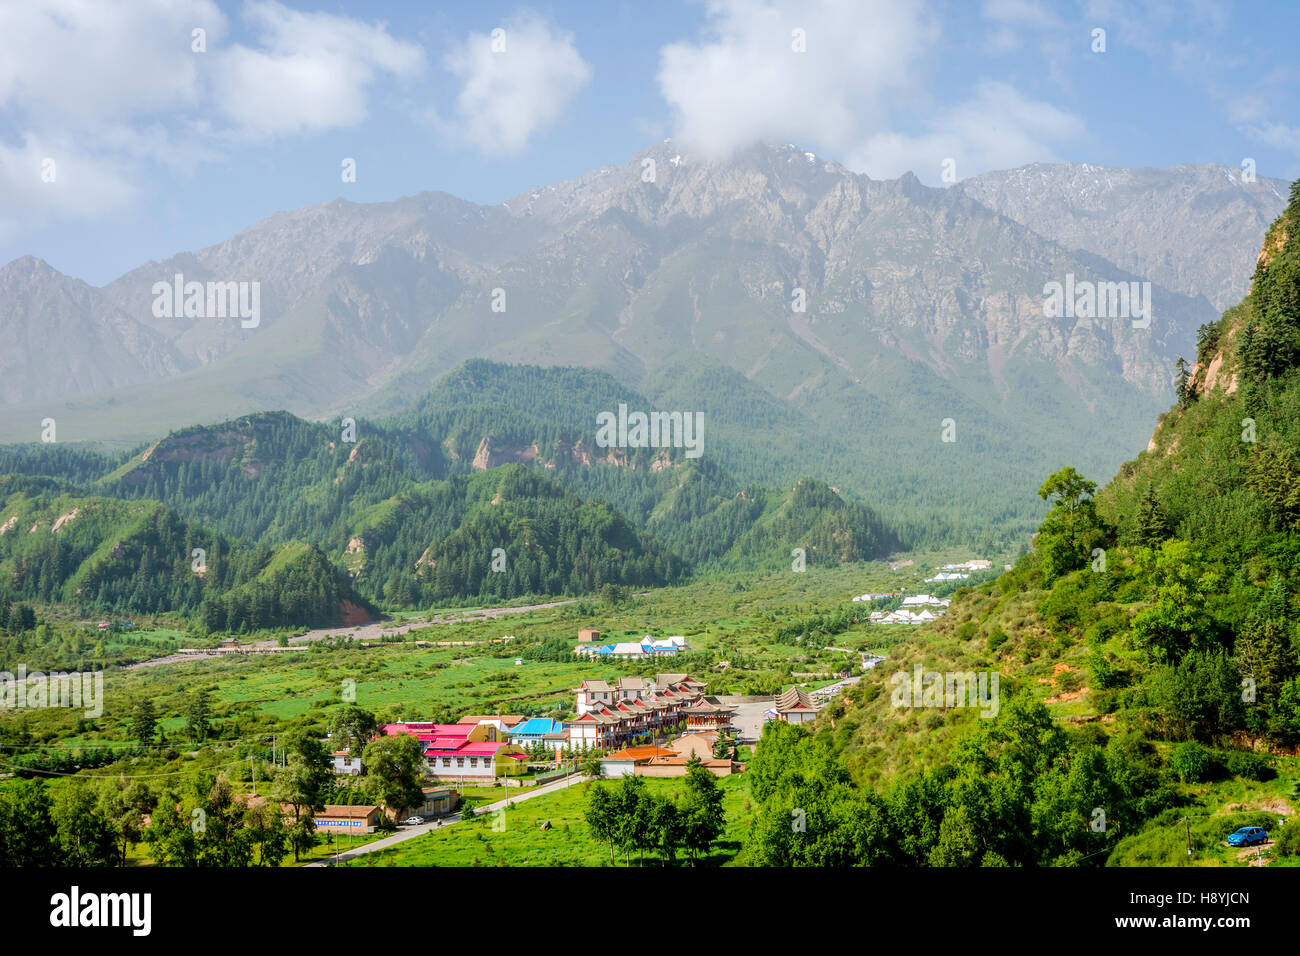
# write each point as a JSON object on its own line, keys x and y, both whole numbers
{"x": 413, "y": 821}
{"x": 1248, "y": 836}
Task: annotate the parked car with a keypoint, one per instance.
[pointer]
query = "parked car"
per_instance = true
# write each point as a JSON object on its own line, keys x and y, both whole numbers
{"x": 413, "y": 821}
{"x": 1248, "y": 836}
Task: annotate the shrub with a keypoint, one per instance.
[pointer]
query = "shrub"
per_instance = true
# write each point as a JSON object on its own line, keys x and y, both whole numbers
{"x": 1105, "y": 676}
{"x": 996, "y": 639}
{"x": 1193, "y": 763}
{"x": 1248, "y": 765}
{"x": 1286, "y": 839}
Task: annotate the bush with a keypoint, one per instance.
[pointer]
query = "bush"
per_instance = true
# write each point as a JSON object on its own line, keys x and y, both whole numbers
{"x": 1193, "y": 763}
{"x": 1286, "y": 839}
{"x": 996, "y": 639}
{"x": 1248, "y": 765}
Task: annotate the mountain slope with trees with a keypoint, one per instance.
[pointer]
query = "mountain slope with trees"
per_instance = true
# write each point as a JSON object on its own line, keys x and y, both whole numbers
{"x": 1148, "y": 648}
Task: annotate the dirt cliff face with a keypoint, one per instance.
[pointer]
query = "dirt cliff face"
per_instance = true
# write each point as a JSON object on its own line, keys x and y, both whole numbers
{"x": 352, "y": 615}
{"x": 491, "y": 453}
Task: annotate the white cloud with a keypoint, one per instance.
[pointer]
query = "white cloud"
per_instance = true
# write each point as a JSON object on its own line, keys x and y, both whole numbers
{"x": 311, "y": 72}
{"x": 86, "y": 62}
{"x": 1010, "y": 17}
{"x": 1277, "y": 135}
{"x": 73, "y": 184}
{"x": 113, "y": 91}
{"x": 865, "y": 65}
{"x": 1021, "y": 13}
{"x": 997, "y": 128}
{"x": 84, "y": 83}
{"x": 744, "y": 82}
{"x": 509, "y": 94}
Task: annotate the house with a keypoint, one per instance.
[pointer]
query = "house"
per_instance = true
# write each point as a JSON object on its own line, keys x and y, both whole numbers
{"x": 707, "y": 713}
{"x": 345, "y": 763}
{"x": 629, "y": 688}
{"x": 444, "y": 733}
{"x": 651, "y": 761}
{"x": 612, "y": 717}
{"x": 591, "y": 693}
{"x": 795, "y": 707}
{"x": 438, "y": 802}
{"x": 502, "y": 722}
{"x": 588, "y": 635}
{"x": 667, "y": 647}
{"x": 898, "y": 617}
{"x": 347, "y": 819}
{"x": 624, "y": 762}
{"x": 677, "y": 767}
{"x": 544, "y": 730}
{"x": 685, "y": 682}
{"x": 700, "y": 744}
{"x": 478, "y": 762}
{"x": 975, "y": 564}
{"x": 464, "y": 752}
{"x": 625, "y": 650}
{"x": 632, "y": 650}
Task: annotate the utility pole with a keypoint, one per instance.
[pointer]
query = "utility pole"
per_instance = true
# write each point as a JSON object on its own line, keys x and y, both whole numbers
{"x": 1188, "y": 824}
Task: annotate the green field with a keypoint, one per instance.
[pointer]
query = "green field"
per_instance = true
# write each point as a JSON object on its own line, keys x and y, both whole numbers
{"x": 523, "y": 842}
{"x": 728, "y": 620}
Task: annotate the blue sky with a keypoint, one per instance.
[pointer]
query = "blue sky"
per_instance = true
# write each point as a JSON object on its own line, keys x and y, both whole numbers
{"x": 158, "y": 148}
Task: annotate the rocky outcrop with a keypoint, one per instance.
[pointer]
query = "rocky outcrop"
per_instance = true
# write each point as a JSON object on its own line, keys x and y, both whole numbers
{"x": 492, "y": 453}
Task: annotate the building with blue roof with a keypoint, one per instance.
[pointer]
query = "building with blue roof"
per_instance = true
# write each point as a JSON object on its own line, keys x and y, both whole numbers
{"x": 545, "y": 730}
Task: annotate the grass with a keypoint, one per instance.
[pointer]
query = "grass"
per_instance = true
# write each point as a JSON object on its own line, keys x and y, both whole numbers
{"x": 731, "y": 618}
{"x": 523, "y": 842}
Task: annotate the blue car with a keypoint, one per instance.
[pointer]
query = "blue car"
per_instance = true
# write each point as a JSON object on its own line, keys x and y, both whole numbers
{"x": 1248, "y": 836}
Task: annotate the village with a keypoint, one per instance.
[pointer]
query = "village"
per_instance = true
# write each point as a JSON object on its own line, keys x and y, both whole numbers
{"x": 631, "y": 726}
{"x": 618, "y": 727}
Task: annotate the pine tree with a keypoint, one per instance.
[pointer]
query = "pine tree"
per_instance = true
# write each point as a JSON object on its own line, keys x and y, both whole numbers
{"x": 1153, "y": 526}
{"x": 1185, "y": 394}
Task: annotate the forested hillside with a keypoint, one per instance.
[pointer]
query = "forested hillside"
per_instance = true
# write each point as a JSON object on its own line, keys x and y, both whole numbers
{"x": 1149, "y": 646}
{"x": 653, "y": 513}
{"x": 59, "y": 546}
{"x": 505, "y": 533}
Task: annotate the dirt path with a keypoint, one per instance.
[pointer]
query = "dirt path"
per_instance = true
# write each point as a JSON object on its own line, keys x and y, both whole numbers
{"x": 374, "y": 631}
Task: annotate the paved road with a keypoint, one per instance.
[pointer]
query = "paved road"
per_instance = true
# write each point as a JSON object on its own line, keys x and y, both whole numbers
{"x": 410, "y": 833}
{"x": 748, "y": 719}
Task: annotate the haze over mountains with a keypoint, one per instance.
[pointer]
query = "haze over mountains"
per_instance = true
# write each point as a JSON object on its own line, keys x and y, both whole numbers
{"x": 679, "y": 278}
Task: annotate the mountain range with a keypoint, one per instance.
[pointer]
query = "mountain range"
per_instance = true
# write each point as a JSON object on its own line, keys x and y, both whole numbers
{"x": 922, "y": 315}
